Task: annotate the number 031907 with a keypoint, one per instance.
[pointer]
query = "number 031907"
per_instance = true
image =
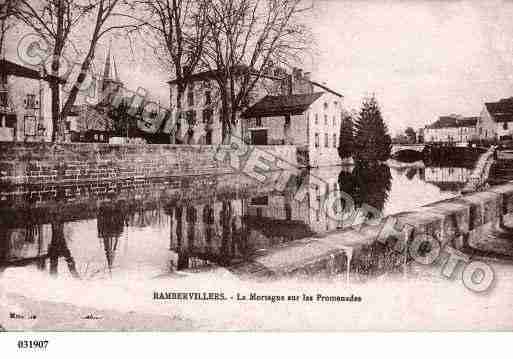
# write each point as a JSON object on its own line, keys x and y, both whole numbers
{"x": 32, "y": 344}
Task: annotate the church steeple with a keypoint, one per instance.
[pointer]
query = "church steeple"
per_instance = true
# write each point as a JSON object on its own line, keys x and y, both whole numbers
{"x": 106, "y": 70}
{"x": 111, "y": 83}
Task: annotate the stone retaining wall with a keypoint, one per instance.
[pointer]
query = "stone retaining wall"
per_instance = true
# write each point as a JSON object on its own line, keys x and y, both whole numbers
{"x": 47, "y": 163}
{"x": 456, "y": 222}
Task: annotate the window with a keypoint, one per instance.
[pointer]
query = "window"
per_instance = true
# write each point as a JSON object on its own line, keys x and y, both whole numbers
{"x": 208, "y": 97}
{"x": 258, "y": 122}
{"x": 326, "y": 142}
{"x": 3, "y": 98}
{"x": 190, "y": 97}
{"x": 325, "y": 119}
{"x": 208, "y": 138}
{"x": 30, "y": 101}
{"x": 190, "y": 117}
{"x": 30, "y": 125}
{"x": 316, "y": 119}
{"x": 316, "y": 140}
{"x": 505, "y": 126}
{"x": 325, "y": 105}
{"x": 208, "y": 116}
{"x": 288, "y": 212}
{"x": 334, "y": 140}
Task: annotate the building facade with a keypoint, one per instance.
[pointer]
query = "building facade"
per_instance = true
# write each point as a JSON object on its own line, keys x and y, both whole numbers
{"x": 198, "y": 112}
{"x": 282, "y": 109}
{"x": 496, "y": 120}
{"x": 91, "y": 122}
{"x": 25, "y": 103}
{"x": 309, "y": 119}
{"x": 452, "y": 129}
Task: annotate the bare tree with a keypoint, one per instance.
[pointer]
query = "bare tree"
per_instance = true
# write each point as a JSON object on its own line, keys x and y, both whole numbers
{"x": 247, "y": 38}
{"x": 7, "y": 20}
{"x": 56, "y": 21}
{"x": 179, "y": 31}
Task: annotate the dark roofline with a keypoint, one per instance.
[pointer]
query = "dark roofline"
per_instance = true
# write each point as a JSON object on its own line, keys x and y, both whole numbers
{"x": 326, "y": 88}
{"x": 294, "y": 104}
{"x": 500, "y": 111}
{"x": 11, "y": 68}
{"x": 211, "y": 74}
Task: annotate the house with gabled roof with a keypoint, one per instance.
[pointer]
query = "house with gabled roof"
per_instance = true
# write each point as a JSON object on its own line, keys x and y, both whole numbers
{"x": 496, "y": 120}
{"x": 310, "y": 120}
{"x": 282, "y": 109}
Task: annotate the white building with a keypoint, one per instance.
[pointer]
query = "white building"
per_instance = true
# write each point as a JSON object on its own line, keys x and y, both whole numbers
{"x": 309, "y": 121}
{"x": 309, "y": 117}
{"x": 496, "y": 121}
{"x": 452, "y": 129}
{"x": 282, "y": 109}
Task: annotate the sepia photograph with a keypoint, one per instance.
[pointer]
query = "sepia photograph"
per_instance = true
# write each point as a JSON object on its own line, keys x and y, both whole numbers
{"x": 255, "y": 166}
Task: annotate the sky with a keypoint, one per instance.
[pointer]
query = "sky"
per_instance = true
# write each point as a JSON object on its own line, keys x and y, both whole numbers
{"x": 422, "y": 59}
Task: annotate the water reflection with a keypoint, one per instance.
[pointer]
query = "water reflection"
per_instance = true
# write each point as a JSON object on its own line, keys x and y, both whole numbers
{"x": 448, "y": 178}
{"x": 367, "y": 183}
{"x": 59, "y": 248}
{"x": 110, "y": 225}
{"x": 197, "y": 233}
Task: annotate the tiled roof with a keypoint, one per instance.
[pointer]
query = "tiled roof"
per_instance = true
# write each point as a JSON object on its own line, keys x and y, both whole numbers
{"x": 454, "y": 122}
{"x": 282, "y": 105}
{"x": 501, "y": 111}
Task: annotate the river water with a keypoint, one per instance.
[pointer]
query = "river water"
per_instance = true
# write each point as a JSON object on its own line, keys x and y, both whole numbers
{"x": 113, "y": 251}
{"x": 159, "y": 237}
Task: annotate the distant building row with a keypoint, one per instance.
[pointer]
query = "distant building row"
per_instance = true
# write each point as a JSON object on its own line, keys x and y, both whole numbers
{"x": 494, "y": 123}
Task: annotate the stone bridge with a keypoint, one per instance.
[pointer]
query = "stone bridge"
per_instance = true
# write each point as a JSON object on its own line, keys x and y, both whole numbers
{"x": 419, "y": 147}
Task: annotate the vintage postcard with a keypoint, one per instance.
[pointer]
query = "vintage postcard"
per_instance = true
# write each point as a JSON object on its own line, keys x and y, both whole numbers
{"x": 256, "y": 165}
